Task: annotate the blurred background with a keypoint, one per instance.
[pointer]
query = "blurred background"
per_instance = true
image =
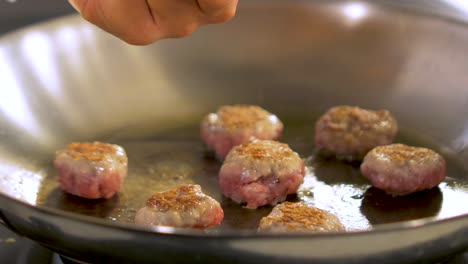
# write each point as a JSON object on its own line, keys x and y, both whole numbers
{"x": 18, "y": 13}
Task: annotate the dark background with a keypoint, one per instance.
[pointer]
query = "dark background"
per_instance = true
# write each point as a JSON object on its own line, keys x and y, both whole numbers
{"x": 19, "y": 13}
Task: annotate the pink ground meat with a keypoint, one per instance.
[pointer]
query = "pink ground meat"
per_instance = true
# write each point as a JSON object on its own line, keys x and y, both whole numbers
{"x": 185, "y": 206}
{"x": 350, "y": 132}
{"x": 233, "y": 125}
{"x": 91, "y": 170}
{"x": 399, "y": 169}
{"x": 262, "y": 172}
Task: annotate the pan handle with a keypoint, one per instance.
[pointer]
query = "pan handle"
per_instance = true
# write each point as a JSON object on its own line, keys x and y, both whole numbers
{"x": 4, "y": 221}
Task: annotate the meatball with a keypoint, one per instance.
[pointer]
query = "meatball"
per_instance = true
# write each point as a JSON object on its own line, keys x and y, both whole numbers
{"x": 185, "y": 206}
{"x": 261, "y": 172}
{"x": 298, "y": 217}
{"x": 398, "y": 169}
{"x": 350, "y": 132}
{"x": 237, "y": 124}
{"x": 91, "y": 170}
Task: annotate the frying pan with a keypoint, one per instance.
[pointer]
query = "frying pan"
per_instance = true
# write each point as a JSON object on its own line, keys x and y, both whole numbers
{"x": 65, "y": 81}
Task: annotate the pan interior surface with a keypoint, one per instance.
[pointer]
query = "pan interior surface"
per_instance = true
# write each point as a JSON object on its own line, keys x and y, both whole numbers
{"x": 71, "y": 82}
{"x": 165, "y": 161}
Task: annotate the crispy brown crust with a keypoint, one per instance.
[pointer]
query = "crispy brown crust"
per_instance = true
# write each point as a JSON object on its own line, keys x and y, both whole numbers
{"x": 346, "y": 117}
{"x": 401, "y": 154}
{"x": 296, "y": 214}
{"x": 179, "y": 199}
{"x": 241, "y": 116}
{"x": 350, "y": 132}
{"x": 95, "y": 151}
{"x": 265, "y": 150}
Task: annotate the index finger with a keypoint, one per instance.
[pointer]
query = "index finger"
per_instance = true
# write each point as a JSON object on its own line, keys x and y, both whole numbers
{"x": 132, "y": 21}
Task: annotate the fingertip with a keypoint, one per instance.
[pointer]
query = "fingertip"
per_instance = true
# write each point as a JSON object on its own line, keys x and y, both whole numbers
{"x": 147, "y": 34}
{"x": 181, "y": 31}
{"x": 140, "y": 40}
{"x": 218, "y": 11}
{"x": 90, "y": 11}
{"x": 224, "y": 15}
{"x": 77, "y": 4}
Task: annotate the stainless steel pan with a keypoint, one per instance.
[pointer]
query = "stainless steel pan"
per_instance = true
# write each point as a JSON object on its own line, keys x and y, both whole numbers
{"x": 66, "y": 81}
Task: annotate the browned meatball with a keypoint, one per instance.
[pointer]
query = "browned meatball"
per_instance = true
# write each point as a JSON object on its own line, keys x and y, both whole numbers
{"x": 350, "y": 132}
{"x": 398, "y": 169}
{"x": 261, "y": 172}
{"x": 233, "y": 125}
{"x": 185, "y": 206}
{"x": 91, "y": 170}
{"x": 298, "y": 217}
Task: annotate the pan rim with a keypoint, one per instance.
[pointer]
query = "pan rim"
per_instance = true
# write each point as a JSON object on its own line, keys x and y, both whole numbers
{"x": 426, "y": 222}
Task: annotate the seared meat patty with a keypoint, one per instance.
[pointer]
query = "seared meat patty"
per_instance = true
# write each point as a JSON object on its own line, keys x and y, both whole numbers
{"x": 186, "y": 206}
{"x": 350, "y": 132}
{"x": 233, "y": 125}
{"x": 298, "y": 217}
{"x": 91, "y": 170}
{"x": 398, "y": 169}
{"x": 261, "y": 172}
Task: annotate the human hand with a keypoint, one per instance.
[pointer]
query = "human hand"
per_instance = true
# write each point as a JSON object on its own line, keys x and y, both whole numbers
{"x": 141, "y": 22}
